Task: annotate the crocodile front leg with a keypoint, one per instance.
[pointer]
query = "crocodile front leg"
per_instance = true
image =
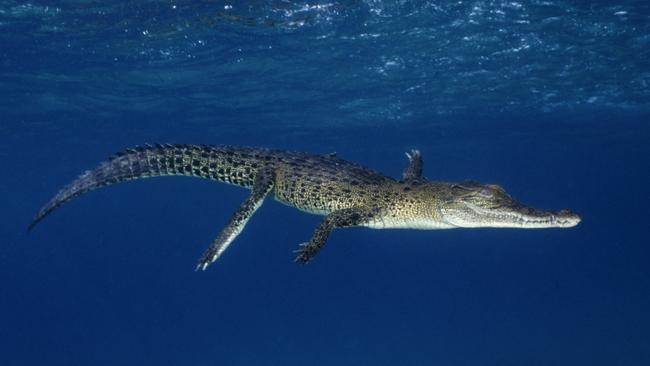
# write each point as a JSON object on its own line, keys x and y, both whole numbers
{"x": 342, "y": 218}
{"x": 262, "y": 185}
{"x": 413, "y": 171}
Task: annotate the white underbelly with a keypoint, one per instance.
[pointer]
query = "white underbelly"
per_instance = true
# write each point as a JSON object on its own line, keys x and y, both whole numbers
{"x": 380, "y": 223}
{"x": 419, "y": 224}
{"x": 314, "y": 211}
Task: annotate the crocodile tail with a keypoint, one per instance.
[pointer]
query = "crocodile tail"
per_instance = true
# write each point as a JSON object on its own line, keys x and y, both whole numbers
{"x": 143, "y": 162}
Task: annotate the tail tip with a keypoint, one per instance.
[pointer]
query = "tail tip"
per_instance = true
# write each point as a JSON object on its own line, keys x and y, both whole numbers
{"x": 32, "y": 224}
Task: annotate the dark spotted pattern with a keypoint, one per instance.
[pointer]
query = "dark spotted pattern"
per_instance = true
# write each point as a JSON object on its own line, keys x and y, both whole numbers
{"x": 347, "y": 193}
{"x": 312, "y": 183}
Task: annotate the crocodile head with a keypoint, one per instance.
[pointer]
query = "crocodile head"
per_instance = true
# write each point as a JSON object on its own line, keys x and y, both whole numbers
{"x": 472, "y": 204}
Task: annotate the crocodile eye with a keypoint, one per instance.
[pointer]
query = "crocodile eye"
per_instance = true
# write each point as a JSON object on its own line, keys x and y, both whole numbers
{"x": 460, "y": 190}
{"x": 485, "y": 192}
{"x": 497, "y": 187}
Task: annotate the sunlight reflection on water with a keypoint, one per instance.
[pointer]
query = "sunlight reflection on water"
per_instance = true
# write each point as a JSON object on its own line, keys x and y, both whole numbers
{"x": 392, "y": 59}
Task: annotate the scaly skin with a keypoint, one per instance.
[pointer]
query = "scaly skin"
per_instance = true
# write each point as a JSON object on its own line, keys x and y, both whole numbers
{"x": 348, "y": 194}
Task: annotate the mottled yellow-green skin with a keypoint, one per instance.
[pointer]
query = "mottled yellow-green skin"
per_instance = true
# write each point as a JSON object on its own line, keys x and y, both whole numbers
{"x": 347, "y": 194}
{"x": 317, "y": 184}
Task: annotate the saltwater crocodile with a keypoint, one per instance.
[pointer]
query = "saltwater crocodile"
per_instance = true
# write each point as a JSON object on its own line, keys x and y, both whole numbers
{"x": 346, "y": 193}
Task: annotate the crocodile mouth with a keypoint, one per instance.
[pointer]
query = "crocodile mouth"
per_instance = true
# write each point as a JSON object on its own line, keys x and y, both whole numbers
{"x": 510, "y": 216}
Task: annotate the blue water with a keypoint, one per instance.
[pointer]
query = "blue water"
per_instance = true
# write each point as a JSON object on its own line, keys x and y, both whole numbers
{"x": 550, "y": 99}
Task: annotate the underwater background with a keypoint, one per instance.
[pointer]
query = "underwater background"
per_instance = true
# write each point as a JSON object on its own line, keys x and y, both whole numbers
{"x": 548, "y": 98}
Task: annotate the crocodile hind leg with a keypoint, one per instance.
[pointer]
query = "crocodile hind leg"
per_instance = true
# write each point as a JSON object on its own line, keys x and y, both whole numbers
{"x": 262, "y": 185}
{"x": 343, "y": 218}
